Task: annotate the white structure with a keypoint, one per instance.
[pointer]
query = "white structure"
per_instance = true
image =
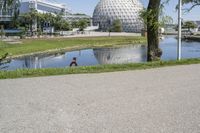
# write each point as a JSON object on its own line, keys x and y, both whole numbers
{"x": 7, "y": 11}
{"x": 198, "y": 25}
{"x": 42, "y": 6}
{"x": 47, "y": 6}
{"x": 127, "y": 11}
{"x": 127, "y": 54}
{"x": 76, "y": 17}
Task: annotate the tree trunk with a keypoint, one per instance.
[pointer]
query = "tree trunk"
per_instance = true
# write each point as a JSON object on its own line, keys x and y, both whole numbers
{"x": 154, "y": 52}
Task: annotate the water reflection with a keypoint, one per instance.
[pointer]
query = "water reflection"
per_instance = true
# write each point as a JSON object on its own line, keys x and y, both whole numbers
{"x": 121, "y": 55}
{"x": 40, "y": 61}
{"x": 89, "y": 57}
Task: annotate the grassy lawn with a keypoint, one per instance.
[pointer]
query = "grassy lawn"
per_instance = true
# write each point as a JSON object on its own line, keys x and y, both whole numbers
{"x": 23, "y": 73}
{"x": 57, "y": 44}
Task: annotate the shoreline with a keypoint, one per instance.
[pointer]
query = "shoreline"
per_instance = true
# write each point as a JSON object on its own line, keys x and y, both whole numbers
{"x": 193, "y": 38}
{"x": 28, "y": 73}
{"x": 30, "y": 47}
{"x": 55, "y": 51}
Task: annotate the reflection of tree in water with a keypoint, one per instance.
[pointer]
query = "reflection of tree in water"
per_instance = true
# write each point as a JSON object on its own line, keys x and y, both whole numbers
{"x": 127, "y": 54}
{"x": 4, "y": 62}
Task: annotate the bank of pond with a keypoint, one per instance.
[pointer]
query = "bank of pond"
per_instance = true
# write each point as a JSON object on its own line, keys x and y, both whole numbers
{"x": 101, "y": 56}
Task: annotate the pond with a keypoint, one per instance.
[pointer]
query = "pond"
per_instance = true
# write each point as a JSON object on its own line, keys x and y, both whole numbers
{"x": 96, "y": 56}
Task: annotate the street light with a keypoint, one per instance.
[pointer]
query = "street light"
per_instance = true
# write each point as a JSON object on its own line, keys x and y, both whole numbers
{"x": 179, "y": 29}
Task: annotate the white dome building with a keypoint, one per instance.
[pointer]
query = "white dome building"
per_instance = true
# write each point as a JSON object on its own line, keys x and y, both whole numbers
{"x": 127, "y": 11}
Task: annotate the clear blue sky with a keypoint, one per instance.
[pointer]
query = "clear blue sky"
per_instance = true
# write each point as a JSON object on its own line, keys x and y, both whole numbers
{"x": 87, "y": 7}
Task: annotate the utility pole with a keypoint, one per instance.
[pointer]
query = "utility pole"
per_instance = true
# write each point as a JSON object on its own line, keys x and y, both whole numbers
{"x": 179, "y": 29}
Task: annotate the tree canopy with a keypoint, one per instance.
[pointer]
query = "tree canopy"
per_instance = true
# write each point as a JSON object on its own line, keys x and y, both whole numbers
{"x": 193, "y": 3}
{"x": 117, "y": 26}
{"x": 189, "y": 25}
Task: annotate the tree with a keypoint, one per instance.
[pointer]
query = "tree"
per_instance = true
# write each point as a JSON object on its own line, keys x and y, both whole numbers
{"x": 2, "y": 33}
{"x": 74, "y": 24}
{"x": 66, "y": 26}
{"x": 117, "y": 26}
{"x": 189, "y": 25}
{"x": 62, "y": 25}
{"x": 153, "y": 10}
{"x": 82, "y": 24}
{"x": 33, "y": 20}
{"x": 193, "y": 3}
{"x": 166, "y": 20}
{"x": 24, "y": 20}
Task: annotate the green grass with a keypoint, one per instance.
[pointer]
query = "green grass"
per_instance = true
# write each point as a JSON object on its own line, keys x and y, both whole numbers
{"x": 23, "y": 73}
{"x": 58, "y": 44}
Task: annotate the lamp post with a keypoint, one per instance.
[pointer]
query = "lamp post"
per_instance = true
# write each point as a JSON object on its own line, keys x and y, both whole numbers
{"x": 179, "y": 29}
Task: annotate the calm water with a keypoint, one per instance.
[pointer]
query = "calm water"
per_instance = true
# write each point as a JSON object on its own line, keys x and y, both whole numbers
{"x": 89, "y": 57}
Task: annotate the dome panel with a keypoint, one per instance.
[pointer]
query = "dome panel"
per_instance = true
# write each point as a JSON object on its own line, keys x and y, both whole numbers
{"x": 127, "y": 11}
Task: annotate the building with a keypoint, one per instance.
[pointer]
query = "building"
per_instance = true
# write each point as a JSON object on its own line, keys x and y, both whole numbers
{"x": 47, "y": 6}
{"x": 7, "y": 11}
{"x": 42, "y": 6}
{"x": 127, "y": 11}
{"x": 76, "y": 17}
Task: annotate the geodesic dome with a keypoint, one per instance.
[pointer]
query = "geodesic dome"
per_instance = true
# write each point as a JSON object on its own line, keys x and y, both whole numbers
{"x": 127, "y": 11}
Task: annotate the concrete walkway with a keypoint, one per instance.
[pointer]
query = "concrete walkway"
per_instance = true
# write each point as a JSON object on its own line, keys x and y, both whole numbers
{"x": 164, "y": 100}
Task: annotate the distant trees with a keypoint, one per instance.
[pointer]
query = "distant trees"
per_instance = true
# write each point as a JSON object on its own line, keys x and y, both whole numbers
{"x": 82, "y": 24}
{"x": 189, "y": 25}
{"x": 62, "y": 25}
{"x": 34, "y": 20}
{"x": 2, "y": 31}
{"x": 74, "y": 24}
{"x": 117, "y": 26}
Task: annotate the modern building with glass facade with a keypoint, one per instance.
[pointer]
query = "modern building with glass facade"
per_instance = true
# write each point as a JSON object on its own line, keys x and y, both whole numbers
{"x": 42, "y": 6}
{"x": 7, "y": 11}
{"x": 47, "y": 6}
{"x": 127, "y": 11}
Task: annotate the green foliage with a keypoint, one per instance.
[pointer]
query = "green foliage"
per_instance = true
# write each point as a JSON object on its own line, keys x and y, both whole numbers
{"x": 74, "y": 24}
{"x": 117, "y": 26}
{"x": 163, "y": 19}
{"x": 27, "y": 20}
{"x": 82, "y": 24}
{"x": 143, "y": 16}
{"x": 189, "y": 25}
{"x": 166, "y": 20}
{"x": 2, "y": 33}
{"x": 62, "y": 25}
{"x": 3, "y": 57}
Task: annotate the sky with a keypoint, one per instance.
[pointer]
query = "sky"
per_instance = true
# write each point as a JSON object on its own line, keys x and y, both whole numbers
{"x": 87, "y": 7}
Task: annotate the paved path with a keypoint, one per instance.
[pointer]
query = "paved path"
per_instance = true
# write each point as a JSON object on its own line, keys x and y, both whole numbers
{"x": 165, "y": 100}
